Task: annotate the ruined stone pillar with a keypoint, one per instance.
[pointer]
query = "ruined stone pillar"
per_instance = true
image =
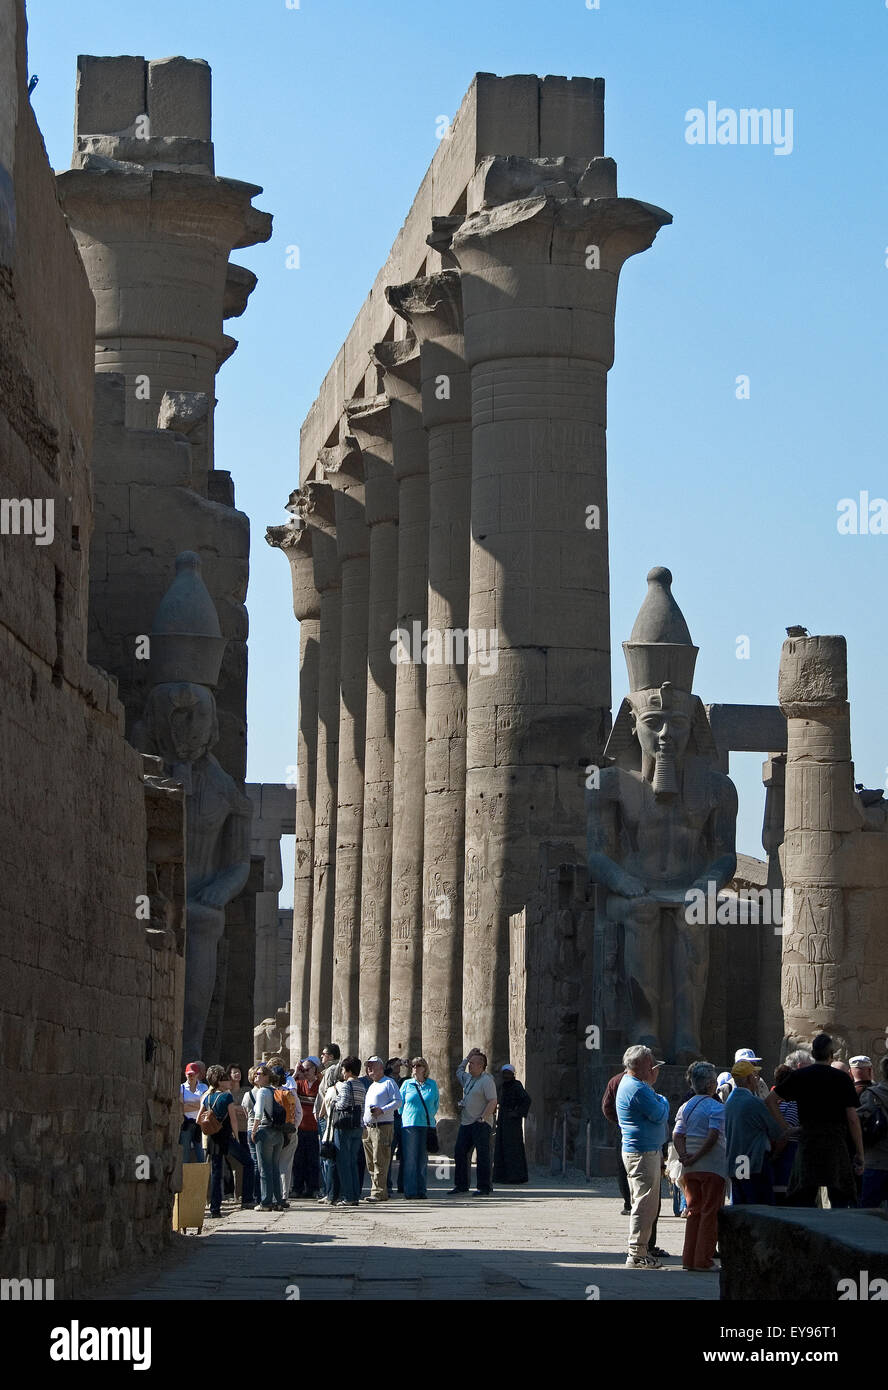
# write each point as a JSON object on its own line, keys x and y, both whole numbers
{"x": 344, "y": 469}
{"x": 316, "y": 509}
{"x": 433, "y": 307}
{"x": 155, "y": 226}
{"x": 370, "y": 422}
{"x": 400, "y": 362}
{"x": 540, "y": 262}
{"x": 295, "y": 539}
{"x": 835, "y": 943}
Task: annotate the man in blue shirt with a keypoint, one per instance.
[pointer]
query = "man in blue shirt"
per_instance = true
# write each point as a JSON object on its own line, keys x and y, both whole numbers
{"x": 750, "y": 1131}
{"x": 642, "y": 1116}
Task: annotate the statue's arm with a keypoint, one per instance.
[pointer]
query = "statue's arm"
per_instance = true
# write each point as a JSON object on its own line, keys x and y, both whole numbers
{"x": 722, "y": 839}
{"x": 232, "y": 877}
{"x": 601, "y": 842}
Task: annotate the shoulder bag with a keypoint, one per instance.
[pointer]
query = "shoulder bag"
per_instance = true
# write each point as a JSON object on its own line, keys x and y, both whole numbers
{"x": 432, "y": 1146}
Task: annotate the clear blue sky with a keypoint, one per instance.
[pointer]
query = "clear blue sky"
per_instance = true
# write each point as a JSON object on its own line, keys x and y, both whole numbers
{"x": 775, "y": 267}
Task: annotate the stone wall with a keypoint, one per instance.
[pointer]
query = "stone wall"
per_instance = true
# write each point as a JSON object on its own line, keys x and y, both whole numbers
{"x": 90, "y": 1021}
{"x": 782, "y": 1255}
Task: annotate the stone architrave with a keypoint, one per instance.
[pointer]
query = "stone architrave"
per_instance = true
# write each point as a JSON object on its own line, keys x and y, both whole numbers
{"x": 540, "y": 264}
{"x": 661, "y": 838}
{"x": 400, "y": 362}
{"x": 835, "y": 941}
{"x": 344, "y": 469}
{"x": 180, "y": 726}
{"x": 367, "y": 1006}
{"x": 295, "y": 539}
{"x": 432, "y": 305}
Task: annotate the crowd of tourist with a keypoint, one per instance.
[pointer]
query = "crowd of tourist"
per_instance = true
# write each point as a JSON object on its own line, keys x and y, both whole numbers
{"x": 822, "y": 1126}
{"x": 321, "y": 1129}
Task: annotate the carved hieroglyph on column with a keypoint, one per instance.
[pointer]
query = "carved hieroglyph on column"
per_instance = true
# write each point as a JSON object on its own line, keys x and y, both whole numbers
{"x": 370, "y": 423}
{"x": 433, "y": 307}
{"x": 180, "y": 726}
{"x": 295, "y": 539}
{"x": 540, "y": 264}
{"x": 835, "y": 938}
{"x": 344, "y": 469}
{"x": 400, "y": 362}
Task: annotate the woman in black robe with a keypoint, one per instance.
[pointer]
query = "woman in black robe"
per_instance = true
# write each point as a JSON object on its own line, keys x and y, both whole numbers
{"x": 509, "y": 1159}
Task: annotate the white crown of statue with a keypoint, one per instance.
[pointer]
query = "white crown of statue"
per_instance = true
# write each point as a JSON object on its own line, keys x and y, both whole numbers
{"x": 660, "y": 650}
{"x": 186, "y": 639}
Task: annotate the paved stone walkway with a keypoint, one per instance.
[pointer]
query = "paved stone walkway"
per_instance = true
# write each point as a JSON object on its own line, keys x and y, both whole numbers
{"x": 551, "y": 1239}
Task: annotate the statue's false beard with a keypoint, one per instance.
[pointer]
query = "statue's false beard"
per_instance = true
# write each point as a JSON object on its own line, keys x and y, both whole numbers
{"x": 665, "y": 779}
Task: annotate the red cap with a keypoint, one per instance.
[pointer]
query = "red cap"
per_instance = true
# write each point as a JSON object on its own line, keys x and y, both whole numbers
{"x": 193, "y": 1066}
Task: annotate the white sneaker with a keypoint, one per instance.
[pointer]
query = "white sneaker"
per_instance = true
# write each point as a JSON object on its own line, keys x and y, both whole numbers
{"x": 642, "y": 1262}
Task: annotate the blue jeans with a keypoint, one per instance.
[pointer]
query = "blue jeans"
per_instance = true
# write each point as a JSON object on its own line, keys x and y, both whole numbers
{"x": 237, "y": 1148}
{"x": 348, "y": 1141}
{"x": 874, "y": 1190}
{"x": 191, "y": 1140}
{"x": 414, "y": 1159}
{"x": 757, "y": 1189}
{"x": 330, "y": 1178}
{"x": 475, "y": 1136}
{"x": 269, "y": 1143}
{"x": 217, "y": 1171}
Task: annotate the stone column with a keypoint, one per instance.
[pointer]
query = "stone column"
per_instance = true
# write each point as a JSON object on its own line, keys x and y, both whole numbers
{"x": 316, "y": 509}
{"x": 344, "y": 469}
{"x": 540, "y": 264}
{"x": 295, "y": 539}
{"x": 400, "y": 362}
{"x": 155, "y": 226}
{"x": 370, "y": 423}
{"x": 274, "y": 815}
{"x": 433, "y": 307}
{"x": 834, "y": 941}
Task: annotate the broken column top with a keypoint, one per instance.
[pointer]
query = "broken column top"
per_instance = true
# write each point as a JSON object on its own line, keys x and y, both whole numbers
{"x": 155, "y": 112}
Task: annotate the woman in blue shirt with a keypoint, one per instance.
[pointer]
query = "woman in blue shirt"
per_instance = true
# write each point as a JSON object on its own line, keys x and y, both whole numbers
{"x": 420, "y": 1095}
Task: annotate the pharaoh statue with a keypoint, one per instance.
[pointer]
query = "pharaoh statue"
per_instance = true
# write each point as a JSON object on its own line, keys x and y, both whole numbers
{"x": 180, "y": 726}
{"x": 661, "y": 822}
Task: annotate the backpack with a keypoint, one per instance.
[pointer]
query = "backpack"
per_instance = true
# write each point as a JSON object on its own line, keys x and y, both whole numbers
{"x": 873, "y": 1120}
{"x": 207, "y": 1118}
{"x": 283, "y": 1112}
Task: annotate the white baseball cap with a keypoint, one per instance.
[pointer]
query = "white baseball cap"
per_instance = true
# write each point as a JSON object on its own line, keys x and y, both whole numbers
{"x": 724, "y": 1077}
{"x": 746, "y": 1054}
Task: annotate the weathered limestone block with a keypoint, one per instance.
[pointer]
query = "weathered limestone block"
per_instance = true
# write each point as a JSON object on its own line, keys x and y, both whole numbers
{"x": 781, "y": 1255}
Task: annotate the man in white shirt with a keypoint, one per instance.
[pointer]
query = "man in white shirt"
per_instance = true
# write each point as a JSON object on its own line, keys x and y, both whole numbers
{"x": 383, "y": 1098}
{"x": 192, "y": 1090}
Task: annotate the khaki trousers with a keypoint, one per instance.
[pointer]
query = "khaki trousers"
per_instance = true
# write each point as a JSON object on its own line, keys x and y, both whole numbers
{"x": 378, "y": 1153}
{"x": 643, "y": 1172}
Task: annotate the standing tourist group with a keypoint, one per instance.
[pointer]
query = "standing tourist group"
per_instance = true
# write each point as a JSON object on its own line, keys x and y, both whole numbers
{"x": 821, "y": 1127}
{"x": 319, "y": 1130}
